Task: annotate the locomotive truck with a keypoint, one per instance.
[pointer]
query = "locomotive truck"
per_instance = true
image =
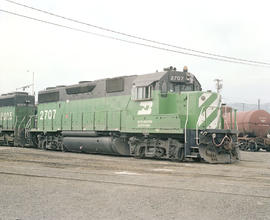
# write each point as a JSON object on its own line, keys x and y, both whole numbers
{"x": 162, "y": 115}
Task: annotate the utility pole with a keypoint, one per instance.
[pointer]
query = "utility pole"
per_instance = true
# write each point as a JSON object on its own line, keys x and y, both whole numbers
{"x": 259, "y": 104}
{"x": 29, "y": 85}
{"x": 219, "y": 84}
{"x": 33, "y": 84}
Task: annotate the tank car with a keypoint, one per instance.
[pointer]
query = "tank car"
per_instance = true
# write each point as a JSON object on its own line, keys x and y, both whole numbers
{"x": 163, "y": 115}
{"x": 16, "y": 109}
{"x": 254, "y": 128}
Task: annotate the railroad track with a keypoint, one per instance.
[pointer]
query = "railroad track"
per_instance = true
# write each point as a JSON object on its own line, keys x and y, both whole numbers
{"x": 265, "y": 180}
{"x": 105, "y": 164}
{"x": 135, "y": 185}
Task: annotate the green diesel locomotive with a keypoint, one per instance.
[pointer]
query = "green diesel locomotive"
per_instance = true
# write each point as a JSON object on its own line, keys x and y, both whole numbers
{"x": 159, "y": 115}
{"x": 16, "y": 110}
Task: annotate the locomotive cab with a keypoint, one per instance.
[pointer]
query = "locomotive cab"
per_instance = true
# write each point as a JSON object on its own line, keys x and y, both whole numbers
{"x": 181, "y": 81}
{"x": 168, "y": 81}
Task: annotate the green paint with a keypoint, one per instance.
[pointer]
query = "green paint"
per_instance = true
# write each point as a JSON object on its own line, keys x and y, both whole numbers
{"x": 12, "y": 117}
{"x": 162, "y": 114}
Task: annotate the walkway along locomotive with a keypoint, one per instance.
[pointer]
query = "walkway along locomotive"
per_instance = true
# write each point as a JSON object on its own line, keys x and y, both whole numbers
{"x": 158, "y": 115}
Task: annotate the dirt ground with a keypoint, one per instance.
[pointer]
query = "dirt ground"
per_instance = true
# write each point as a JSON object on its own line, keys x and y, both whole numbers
{"x": 36, "y": 184}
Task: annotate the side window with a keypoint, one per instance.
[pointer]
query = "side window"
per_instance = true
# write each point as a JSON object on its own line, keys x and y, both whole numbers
{"x": 141, "y": 93}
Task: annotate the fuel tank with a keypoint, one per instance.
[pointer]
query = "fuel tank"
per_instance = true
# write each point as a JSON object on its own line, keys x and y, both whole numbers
{"x": 101, "y": 145}
{"x": 252, "y": 123}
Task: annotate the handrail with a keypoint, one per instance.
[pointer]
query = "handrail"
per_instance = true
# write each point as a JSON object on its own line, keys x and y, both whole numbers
{"x": 21, "y": 123}
{"x": 27, "y": 124}
{"x": 204, "y": 109}
{"x": 197, "y": 127}
{"x": 187, "y": 115}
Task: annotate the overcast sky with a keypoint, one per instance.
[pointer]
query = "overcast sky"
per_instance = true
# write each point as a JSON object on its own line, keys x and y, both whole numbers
{"x": 60, "y": 56}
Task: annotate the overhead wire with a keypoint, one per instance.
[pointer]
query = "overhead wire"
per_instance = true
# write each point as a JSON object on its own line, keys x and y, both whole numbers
{"x": 138, "y": 37}
{"x": 129, "y": 41}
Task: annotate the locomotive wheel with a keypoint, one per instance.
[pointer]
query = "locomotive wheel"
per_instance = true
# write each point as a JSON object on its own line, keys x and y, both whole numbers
{"x": 198, "y": 159}
{"x": 63, "y": 148}
{"x": 44, "y": 144}
{"x": 140, "y": 152}
{"x": 6, "y": 140}
{"x": 180, "y": 154}
{"x": 40, "y": 144}
{"x": 35, "y": 142}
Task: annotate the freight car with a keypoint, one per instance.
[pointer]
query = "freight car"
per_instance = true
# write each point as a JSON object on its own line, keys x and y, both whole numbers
{"x": 15, "y": 111}
{"x": 159, "y": 115}
{"x": 254, "y": 128}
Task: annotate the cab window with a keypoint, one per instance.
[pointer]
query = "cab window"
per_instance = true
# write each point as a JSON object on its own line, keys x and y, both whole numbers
{"x": 142, "y": 93}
